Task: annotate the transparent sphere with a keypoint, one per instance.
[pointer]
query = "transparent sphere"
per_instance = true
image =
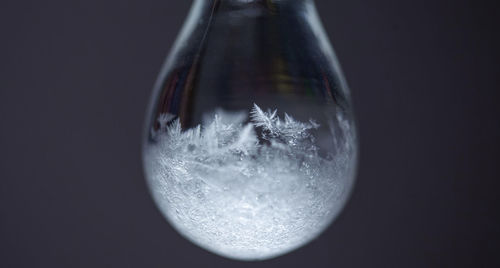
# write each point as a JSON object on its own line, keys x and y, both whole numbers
{"x": 250, "y": 146}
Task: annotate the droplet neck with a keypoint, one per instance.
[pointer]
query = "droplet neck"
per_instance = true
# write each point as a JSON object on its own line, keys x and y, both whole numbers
{"x": 272, "y": 6}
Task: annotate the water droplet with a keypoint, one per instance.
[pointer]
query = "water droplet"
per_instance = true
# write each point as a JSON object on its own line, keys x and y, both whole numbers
{"x": 250, "y": 146}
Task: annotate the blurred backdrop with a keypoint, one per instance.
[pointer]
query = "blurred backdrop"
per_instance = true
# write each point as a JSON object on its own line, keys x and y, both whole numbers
{"x": 75, "y": 79}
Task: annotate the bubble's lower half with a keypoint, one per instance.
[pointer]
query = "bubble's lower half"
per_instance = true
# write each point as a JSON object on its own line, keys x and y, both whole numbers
{"x": 245, "y": 195}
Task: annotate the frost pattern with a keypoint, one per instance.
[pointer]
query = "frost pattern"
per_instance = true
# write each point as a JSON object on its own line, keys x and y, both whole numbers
{"x": 248, "y": 191}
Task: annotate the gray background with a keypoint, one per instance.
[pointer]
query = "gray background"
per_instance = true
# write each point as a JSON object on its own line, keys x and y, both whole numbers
{"x": 76, "y": 77}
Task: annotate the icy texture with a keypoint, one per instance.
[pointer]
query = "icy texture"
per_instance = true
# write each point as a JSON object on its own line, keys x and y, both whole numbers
{"x": 248, "y": 191}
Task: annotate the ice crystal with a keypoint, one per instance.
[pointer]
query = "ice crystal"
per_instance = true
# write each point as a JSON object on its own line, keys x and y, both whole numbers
{"x": 246, "y": 191}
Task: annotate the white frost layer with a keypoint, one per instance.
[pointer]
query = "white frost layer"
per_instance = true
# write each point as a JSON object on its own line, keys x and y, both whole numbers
{"x": 245, "y": 195}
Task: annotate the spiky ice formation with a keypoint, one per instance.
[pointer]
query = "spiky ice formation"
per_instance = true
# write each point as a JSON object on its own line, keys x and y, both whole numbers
{"x": 245, "y": 195}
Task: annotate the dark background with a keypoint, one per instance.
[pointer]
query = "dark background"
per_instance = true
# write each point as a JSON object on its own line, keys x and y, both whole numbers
{"x": 75, "y": 78}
